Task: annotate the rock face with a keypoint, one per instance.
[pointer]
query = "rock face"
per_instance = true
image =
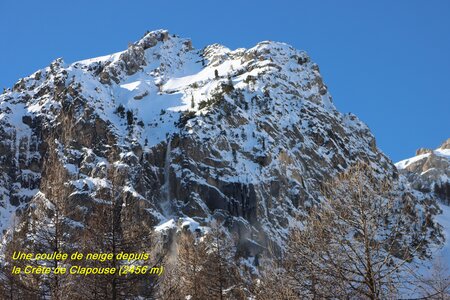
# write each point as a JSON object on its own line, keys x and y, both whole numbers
{"x": 244, "y": 136}
{"x": 429, "y": 171}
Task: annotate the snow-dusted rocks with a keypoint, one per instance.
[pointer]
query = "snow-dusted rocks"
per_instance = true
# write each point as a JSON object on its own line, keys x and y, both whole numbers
{"x": 244, "y": 136}
{"x": 429, "y": 171}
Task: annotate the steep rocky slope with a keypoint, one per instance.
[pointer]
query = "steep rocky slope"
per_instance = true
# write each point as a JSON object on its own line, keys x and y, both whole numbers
{"x": 183, "y": 135}
{"x": 429, "y": 173}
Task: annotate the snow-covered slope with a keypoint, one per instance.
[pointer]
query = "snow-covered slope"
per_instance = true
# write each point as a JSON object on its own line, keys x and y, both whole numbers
{"x": 429, "y": 171}
{"x": 245, "y": 136}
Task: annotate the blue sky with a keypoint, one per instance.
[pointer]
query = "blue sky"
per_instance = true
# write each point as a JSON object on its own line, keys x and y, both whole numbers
{"x": 388, "y": 61}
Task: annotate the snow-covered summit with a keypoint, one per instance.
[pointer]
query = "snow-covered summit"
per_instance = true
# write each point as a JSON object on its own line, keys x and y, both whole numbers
{"x": 161, "y": 76}
{"x": 429, "y": 170}
{"x": 245, "y": 136}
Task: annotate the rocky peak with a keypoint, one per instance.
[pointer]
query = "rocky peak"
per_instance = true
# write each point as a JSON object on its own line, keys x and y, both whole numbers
{"x": 246, "y": 136}
{"x": 445, "y": 145}
{"x": 423, "y": 151}
{"x": 151, "y": 38}
{"x": 429, "y": 171}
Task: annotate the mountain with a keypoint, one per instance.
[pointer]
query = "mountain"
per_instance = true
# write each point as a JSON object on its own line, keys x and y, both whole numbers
{"x": 180, "y": 137}
{"x": 429, "y": 171}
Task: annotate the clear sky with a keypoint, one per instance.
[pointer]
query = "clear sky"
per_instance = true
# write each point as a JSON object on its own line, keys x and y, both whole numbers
{"x": 386, "y": 61}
